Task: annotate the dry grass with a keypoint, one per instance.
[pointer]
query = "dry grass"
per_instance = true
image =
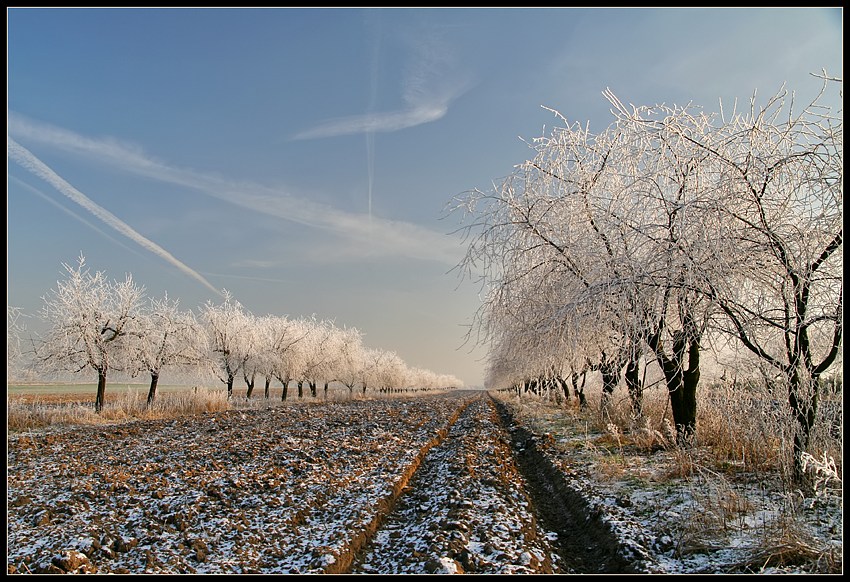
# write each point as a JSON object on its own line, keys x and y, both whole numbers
{"x": 791, "y": 546}
{"x": 744, "y": 429}
{"x": 719, "y": 509}
{"x": 610, "y": 463}
{"x": 33, "y": 413}
{"x": 741, "y": 429}
{"x": 610, "y": 468}
{"x": 683, "y": 466}
{"x": 742, "y": 443}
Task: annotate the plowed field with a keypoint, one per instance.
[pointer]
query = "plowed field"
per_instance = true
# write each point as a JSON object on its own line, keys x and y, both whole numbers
{"x": 411, "y": 485}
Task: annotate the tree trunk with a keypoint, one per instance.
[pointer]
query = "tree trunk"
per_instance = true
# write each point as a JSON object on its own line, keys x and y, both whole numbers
{"x": 229, "y": 386}
{"x": 635, "y": 387}
{"x": 688, "y": 412}
{"x": 268, "y": 382}
{"x": 681, "y": 382}
{"x": 250, "y": 384}
{"x": 285, "y": 384}
{"x": 565, "y": 387}
{"x": 682, "y": 387}
{"x": 610, "y": 379}
{"x": 579, "y": 392}
{"x": 152, "y": 391}
{"x": 803, "y": 396}
{"x": 101, "y": 391}
{"x": 300, "y": 388}
{"x": 326, "y": 390}
{"x": 683, "y": 404}
{"x": 312, "y": 388}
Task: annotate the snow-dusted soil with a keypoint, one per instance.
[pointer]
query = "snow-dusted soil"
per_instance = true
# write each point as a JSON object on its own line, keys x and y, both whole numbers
{"x": 465, "y": 510}
{"x": 707, "y": 521}
{"x": 434, "y": 484}
{"x": 277, "y": 490}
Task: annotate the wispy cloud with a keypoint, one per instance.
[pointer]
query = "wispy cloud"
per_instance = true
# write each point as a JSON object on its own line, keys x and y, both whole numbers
{"x": 382, "y": 237}
{"x": 430, "y": 84}
{"x": 376, "y": 122}
{"x": 29, "y": 162}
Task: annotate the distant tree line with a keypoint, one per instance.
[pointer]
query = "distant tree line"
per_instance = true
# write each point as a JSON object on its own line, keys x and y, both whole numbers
{"x": 103, "y": 325}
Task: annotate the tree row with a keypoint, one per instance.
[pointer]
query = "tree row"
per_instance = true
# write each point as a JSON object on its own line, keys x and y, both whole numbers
{"x": 103, "y": 325}
{"x": 670, "y": 233}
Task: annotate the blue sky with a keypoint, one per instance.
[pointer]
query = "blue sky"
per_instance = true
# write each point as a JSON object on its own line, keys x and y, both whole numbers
{"x": 302, "y": 158}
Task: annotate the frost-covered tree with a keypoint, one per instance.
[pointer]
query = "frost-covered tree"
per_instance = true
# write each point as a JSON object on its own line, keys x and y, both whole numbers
{"x": 670, "y": 204}
{"x": 166, "y": 337}
{"x": 448, "y": 382}
{"x": 637, "y": 237}
{"x": 275, "y": 337}
{"x": 747, "y": 222}
{"x": 373, "y": 358}
{"x": 392, "y": 373}
{"x": 229, "y": 335}
{"x": 555, "y": 259}
{"x": 263, "y": 360}
{"x": 90, "y": 320}
{"x": 420, "y": 379}
{"x": 351, "y": 361}
{"x": 287, "y": 349}
{"x": 782, "y": 179}
{"x": 334, "y": 348}
{"x": 251, "y": 344}
{"x": 15, "y": 329}
{"x": 319, "y": 355}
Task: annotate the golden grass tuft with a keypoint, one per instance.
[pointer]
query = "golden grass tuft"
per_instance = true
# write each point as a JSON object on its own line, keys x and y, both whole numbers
{"x": 792, "y": 547}
{"x": 720, "y": 510}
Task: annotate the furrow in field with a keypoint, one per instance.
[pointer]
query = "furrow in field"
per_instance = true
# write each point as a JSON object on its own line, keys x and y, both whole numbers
{"x": 465, "y": 510}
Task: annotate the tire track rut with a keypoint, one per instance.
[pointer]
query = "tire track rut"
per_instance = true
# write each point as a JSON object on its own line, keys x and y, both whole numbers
{"x": 465, "y": 510}
{"x": 584, "y": 539}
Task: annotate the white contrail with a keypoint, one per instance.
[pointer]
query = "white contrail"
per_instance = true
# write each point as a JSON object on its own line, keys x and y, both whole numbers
{"x": 370, "y": 169}
{"x": 72, "y": 214}
{"x": 373, "y": 98}
{"x": 28, "y": 161}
